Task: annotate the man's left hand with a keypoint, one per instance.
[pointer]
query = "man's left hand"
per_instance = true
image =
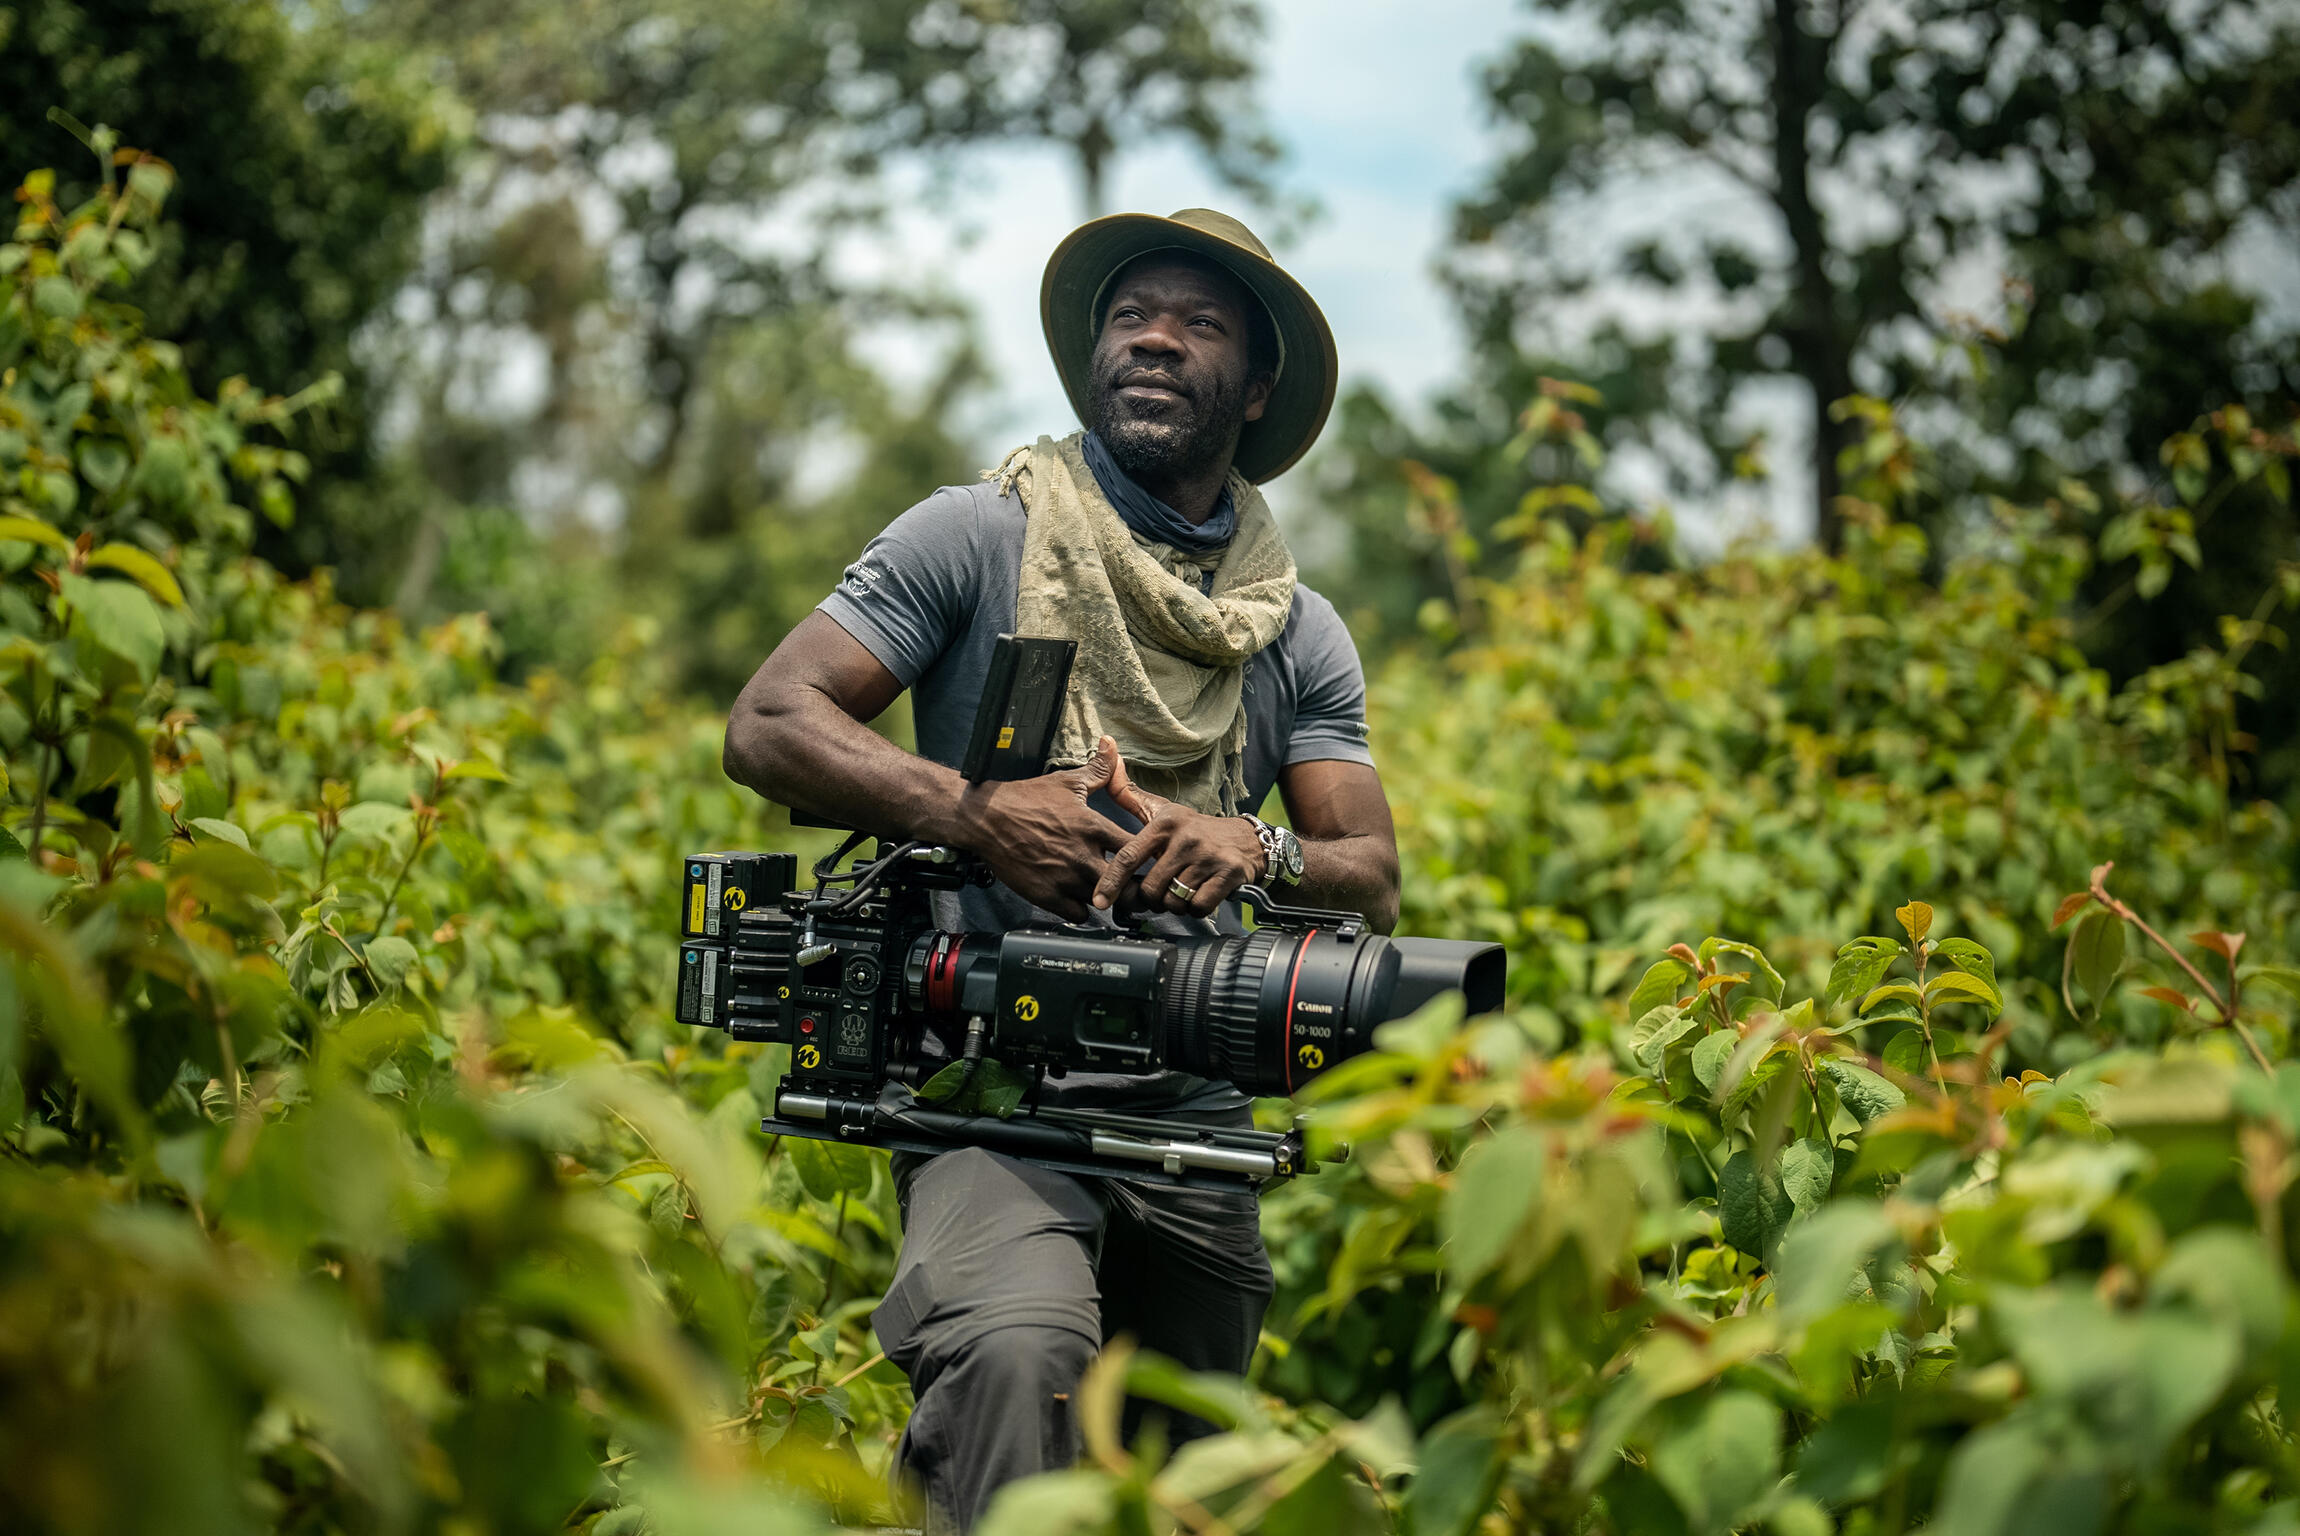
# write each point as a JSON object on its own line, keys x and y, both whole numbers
{"x": 1211, "y": 856}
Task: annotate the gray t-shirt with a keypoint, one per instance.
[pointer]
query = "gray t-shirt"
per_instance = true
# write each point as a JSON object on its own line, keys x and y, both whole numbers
{"x": 929, "y": 598}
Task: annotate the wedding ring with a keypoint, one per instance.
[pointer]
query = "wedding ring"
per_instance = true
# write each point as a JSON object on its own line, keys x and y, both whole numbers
{"x": 1182, "y": 892}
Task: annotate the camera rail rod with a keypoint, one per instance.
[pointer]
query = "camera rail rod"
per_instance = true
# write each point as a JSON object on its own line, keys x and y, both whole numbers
{"x": 1090, "y": 1143}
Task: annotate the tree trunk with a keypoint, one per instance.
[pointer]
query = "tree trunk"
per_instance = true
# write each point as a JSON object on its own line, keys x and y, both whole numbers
{"x": 1817, "y": 344}
{"x": 1093, "y": 146}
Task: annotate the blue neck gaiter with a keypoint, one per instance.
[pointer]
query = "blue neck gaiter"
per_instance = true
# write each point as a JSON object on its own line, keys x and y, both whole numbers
{"x": 1146, "y": 515}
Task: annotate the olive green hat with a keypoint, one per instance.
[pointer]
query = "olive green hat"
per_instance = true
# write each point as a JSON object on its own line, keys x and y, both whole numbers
{"x": 1070, "y": 301}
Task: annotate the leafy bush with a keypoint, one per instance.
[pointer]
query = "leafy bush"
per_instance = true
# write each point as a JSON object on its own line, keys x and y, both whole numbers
{"x": 1905, "y": 1288}
{"x": 351, "y": 1175}
{"x": 351, "y": 1178}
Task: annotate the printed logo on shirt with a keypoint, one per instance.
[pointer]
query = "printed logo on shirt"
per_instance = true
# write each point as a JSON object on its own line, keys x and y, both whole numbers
{"x": 863, "y": 579}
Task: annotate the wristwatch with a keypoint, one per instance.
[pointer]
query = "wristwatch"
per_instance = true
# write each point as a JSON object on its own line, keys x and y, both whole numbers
{"x": 1283, "y": 851}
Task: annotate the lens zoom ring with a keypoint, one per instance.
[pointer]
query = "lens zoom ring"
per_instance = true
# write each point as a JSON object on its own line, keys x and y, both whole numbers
{"x": 1232, "y": 1028}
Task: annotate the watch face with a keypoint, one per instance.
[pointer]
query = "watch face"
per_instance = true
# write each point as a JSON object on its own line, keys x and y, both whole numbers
{"x": 1293, "y": 846}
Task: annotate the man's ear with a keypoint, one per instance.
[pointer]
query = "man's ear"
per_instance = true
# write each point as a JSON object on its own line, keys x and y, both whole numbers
{"x": 1258, "y": 394}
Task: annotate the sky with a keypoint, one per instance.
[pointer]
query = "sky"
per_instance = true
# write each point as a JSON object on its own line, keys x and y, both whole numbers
{"x": 1377, "y": 104}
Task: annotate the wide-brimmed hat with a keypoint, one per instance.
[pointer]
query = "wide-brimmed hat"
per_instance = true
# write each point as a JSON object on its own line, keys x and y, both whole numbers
{"x": 1079, "y": 272}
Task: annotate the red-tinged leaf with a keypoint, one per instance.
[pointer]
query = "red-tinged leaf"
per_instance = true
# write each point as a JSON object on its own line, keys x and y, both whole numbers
{"x": 2070, "y": 905}
{"x": 1723, "y": 979}
{"x": 2225, "y": 945}
{"x": 2167, "y": 995}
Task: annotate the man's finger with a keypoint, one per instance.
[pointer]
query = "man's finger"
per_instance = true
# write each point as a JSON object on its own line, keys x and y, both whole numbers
{"x": 1138, "y": 850}
{"x": 1099, "y": 771}
{"x": 1132, "y": 800}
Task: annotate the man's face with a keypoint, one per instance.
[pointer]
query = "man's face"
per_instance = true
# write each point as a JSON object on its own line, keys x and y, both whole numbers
{"x": 1172, "y": 384}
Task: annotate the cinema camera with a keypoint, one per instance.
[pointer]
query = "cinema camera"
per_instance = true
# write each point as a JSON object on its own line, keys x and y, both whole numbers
{"x": 872, "y": 997}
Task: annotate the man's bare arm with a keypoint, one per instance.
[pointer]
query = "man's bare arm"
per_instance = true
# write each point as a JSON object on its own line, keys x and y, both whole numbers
{"x": 1349, "y": 844}
{"x": 797, "y": 736}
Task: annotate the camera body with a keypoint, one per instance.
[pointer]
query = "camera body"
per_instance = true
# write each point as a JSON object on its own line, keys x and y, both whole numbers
{"x": 855, "y": 977}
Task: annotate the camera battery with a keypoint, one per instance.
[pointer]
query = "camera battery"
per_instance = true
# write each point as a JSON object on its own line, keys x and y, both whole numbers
{"x": 702, "y": 973}
{"x": 719, "y": 887}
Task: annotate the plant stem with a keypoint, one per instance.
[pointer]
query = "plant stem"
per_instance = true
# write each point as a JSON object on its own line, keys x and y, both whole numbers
{"x": 391, "y": 897}
{"x": 2211, "y": 993}
{"x": 334, "y": 933}
{"x": 230, "y": 1059}
{"x": 40, "y": 798}
{"x": 1925, "y": 1022}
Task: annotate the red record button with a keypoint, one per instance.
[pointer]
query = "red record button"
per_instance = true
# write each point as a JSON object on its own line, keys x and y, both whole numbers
{"x": 806, "y": 1025}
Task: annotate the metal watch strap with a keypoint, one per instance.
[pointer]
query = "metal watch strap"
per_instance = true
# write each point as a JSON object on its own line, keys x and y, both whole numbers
{"x": 1273, "y": 840}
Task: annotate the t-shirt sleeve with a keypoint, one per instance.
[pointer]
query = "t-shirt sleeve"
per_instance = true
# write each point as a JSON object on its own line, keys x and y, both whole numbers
{"x": 910, "y": 595}
{"x": 1330, "y": 696}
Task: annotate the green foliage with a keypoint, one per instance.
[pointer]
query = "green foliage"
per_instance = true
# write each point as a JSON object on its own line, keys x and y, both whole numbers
{"x": 1781, "y": 1283}
{"x": 350, "y": 1179}
{"x": 305, "y": 159}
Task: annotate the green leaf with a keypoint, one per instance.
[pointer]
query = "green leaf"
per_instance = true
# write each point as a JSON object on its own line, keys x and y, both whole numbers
{"x": 478, "y": 768}
{"x": 373, "y": 819}
{"x": 1916, "y": 919}
{"x": 140, "y": 567}
{"x": 2008, "y": 1480}
{"x": 829, "y": 1169}
{"x": 2099, "y": 948}
{"x": 1863, "y": 1092}
{"x": 1905, "y": 1053}
{"x": 1970, "y": 958}
{"x": 1496, "y": 1188}
{"x": 104, "y": 463}
{"x": 1651, "y": 1036}
{"x": 390, "y": 957}
{"x": 1957, "y": 986}
{"x": 1808, "y": 1167}
{"x": 1753, "y": 1210}
{"x": 30, "y": 530}
{"x": 1662, "y": 984}
{"x": 1849, "y": 1456}
{"x": 1822, "y": 1259}
{"x": 1710, "y": 1056}
{"x": 2281, "y": 976}
{"x": 1858, "y": 970}
{"x": 121, "y": 619}
{"x": 1764, "y": 982}
{"x": 1894, "y": 991}
{"x": 1459, "y": 1467}
{"x": 222, "y": 830}
{"x": 55, "y": 297}
{"x": 1722, "y": 1461}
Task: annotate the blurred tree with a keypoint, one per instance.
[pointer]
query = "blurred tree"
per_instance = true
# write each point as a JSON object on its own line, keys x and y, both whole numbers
{"x": 1817, "y": 184}
{"x": 659, "y": 204}
{"x": 305, "y": 164}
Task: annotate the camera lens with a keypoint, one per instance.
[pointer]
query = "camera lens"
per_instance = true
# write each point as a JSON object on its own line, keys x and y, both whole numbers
{"x": 1273, "y": 1009}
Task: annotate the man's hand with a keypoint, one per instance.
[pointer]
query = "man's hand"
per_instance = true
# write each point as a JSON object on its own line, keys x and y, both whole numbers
{"x": 1212, "y": 855}
{"x": 1041, "y": 838}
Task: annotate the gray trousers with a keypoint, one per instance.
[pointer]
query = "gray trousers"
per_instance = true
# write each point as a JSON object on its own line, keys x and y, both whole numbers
{"x": 1012, "y": 1277}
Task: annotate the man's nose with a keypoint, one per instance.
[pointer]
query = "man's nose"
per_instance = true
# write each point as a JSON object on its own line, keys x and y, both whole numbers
{"x": 1159, "y": 336}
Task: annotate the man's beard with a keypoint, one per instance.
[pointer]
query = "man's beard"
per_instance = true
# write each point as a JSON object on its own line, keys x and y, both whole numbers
{"x": 1191, "y": 433}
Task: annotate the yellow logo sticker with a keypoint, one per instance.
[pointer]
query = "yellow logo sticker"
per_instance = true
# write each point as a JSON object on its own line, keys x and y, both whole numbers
{"x": 1026, "y": 1008}
{"x": 735, "y": 898}
{"x": 1311, "y": 1057}
{"x": 809, "y": 1057}
{"x": 1005, "y": 737}
{"x": 784, "y": 993}
{"x": 695, "y": 907}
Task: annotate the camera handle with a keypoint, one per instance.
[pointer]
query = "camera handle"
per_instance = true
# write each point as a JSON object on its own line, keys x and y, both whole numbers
{"x": 1269, "y": 913}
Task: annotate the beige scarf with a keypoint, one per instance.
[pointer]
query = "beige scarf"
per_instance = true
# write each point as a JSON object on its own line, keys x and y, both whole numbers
{"x": 1161, "y": 663}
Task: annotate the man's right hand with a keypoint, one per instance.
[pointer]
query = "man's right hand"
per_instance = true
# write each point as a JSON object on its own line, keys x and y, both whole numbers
{"x": 1041, "y": 838}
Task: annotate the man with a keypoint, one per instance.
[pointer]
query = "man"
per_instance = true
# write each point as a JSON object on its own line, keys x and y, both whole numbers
{"x": 1205, "y": 674}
